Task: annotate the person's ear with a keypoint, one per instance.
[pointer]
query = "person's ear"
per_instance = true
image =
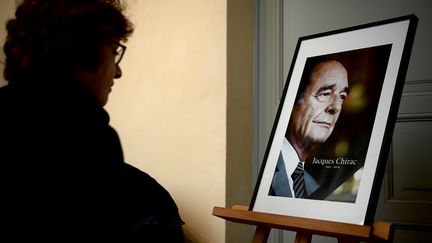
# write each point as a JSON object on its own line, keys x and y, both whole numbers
{"x": 82, "y": 75}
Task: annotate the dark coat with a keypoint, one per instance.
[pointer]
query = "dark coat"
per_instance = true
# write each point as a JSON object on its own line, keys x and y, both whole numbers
{"x": 63, "y": 177}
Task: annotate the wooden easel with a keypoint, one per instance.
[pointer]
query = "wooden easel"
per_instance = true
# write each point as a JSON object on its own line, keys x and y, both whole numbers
{"x": 305, "y": 228}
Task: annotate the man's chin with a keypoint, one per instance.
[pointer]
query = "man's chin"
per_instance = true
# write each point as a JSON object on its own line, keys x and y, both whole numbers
{"x": 320, "y": 138}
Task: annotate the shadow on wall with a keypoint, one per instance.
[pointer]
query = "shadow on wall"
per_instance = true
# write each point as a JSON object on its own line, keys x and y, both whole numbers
{"x": 189, "y": 235}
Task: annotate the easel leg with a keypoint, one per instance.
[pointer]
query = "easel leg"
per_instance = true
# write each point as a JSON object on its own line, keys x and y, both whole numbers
{"x": 303, "y": 238}
{"x": 261, "y": 234}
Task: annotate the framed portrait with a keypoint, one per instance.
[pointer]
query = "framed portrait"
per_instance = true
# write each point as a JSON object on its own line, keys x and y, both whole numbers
{"x": 328, "y": 147}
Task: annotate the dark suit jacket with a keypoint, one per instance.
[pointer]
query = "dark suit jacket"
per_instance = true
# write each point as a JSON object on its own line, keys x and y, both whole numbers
{"x": 280, "y": 184}
{"x": 63, "y": 177}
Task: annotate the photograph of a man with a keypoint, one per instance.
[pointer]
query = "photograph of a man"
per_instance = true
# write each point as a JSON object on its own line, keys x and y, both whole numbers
{"x": 323, "y": 89}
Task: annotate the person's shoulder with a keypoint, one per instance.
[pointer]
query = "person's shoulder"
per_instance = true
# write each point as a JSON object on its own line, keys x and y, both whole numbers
{"x": 159, "y": 211}
{"x": 145, "y": 186}
{"x": 133, "y": 173}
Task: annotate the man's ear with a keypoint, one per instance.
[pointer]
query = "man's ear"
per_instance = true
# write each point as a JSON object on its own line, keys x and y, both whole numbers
{"x": 82, "y": 75}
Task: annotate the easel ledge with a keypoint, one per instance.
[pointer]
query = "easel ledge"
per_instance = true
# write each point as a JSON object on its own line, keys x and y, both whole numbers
{"x": 304, "y": 227}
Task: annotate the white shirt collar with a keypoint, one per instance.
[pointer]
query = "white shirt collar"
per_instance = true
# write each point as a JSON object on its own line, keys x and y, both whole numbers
{"x": 291, "y": 159}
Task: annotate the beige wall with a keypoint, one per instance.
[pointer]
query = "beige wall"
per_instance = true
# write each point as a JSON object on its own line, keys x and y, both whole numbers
{"x": 170, "y": 105}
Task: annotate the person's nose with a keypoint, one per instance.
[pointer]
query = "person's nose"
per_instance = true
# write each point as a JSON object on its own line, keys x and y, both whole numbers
{"x": 335, "y": 105}
{"x": 118, "y": 72}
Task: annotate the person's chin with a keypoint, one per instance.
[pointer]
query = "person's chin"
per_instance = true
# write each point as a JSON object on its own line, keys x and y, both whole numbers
{"x": 321, "y": 135}
{"x": 103, "y": 101}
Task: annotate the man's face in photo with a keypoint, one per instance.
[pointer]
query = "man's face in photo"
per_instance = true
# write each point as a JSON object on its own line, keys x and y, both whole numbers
{"x": 313, "y": 119}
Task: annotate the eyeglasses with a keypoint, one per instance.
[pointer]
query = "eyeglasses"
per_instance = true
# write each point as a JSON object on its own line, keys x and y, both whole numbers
{"x": 119, "y": 52}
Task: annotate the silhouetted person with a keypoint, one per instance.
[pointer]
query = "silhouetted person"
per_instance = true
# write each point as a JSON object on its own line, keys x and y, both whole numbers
{"x": 63, "y": 177}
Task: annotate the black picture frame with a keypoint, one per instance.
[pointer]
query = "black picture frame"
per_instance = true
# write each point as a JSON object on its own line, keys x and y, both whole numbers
{"x": 348, "y": 165}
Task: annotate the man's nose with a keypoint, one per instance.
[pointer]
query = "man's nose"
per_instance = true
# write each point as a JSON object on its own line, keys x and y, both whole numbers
{"x": 335, "y": 105}
{"x": 118, "y": 72}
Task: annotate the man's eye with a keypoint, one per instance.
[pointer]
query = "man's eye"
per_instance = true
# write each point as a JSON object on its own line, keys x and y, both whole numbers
{"x": 325, "y": 93}
{"x": 343, "y": 96}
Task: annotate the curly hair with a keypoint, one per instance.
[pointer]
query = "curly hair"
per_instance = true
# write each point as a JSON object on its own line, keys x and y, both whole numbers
{"x": 48, "y": 38}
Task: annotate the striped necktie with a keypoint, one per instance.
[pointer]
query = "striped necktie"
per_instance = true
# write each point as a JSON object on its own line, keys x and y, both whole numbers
{"x": 298, "y": 181}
